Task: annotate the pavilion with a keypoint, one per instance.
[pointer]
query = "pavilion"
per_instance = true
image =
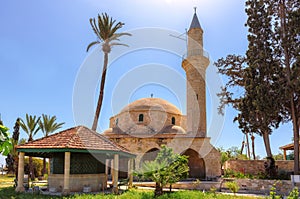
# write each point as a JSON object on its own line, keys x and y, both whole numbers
{"x": 288, "y": 147}
{"x": 78, "y": 158}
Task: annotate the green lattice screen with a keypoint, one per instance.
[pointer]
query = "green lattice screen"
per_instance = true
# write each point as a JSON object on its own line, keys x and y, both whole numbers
{"x": 81, "y": 163}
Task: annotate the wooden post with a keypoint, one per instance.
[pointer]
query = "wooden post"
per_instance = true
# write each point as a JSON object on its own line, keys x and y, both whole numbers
{"x": 284, "y": 154}
{"x": 20, "y": 187}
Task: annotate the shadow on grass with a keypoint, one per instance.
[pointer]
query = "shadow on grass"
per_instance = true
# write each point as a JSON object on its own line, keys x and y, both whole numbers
{"x": 9, "y": 193}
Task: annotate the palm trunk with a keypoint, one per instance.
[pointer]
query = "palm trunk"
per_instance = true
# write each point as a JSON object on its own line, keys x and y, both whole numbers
{"x": 101, "y": 94}
{"x": 31, "y": 170}
{"x": 291, "y": 95}
{"x": 16, "y": 165}
{"x": 158, "y": 189}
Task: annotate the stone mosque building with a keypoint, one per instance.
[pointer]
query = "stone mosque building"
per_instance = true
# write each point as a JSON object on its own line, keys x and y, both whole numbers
{"x": 145, "y": 125}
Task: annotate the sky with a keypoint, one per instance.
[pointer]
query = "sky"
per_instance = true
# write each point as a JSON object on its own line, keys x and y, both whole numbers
{"x": 45, "y": 68}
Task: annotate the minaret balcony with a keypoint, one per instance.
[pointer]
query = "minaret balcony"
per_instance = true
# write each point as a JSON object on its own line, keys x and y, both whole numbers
{"x": 196, "y": 52}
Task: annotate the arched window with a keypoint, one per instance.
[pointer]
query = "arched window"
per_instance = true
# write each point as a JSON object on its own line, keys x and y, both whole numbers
{"x": 173, "y": 120}
{"x": 117, "y": 121}
{"x": 141, "y": 117}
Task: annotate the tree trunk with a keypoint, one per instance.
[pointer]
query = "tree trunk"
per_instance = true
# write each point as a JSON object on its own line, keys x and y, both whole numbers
{"x": 158, "y": 189}
{"x": 44, "y": 167}
{"x": 270, "y": 167}
{"x": 101, "y": 94}
{"x": 253, "y": 148}
{"x": 31, "y": 170}
{"x": 291, "y": 95}
{"x": 16, "y": 165}
{"x": 248, "y": 146}
{"x": 266, "y": 139}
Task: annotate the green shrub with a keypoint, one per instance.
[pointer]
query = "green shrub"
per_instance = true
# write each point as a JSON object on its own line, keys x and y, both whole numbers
{"x": 273, "y": 194}
{"x": 294, "y": 194}
{"x": 228, "y": 173}
{"x": 232, "y": 186}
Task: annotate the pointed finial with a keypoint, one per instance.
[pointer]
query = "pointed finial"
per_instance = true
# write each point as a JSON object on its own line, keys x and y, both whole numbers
{"x": 195, "y": 8}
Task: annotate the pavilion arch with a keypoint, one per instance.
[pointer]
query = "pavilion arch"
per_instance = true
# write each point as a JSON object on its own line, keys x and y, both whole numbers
{"x": 196, "y": 164}
{"x": 149, "y": 155}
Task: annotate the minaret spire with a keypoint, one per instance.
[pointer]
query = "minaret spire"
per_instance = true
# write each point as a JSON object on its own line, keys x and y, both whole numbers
{"x": 195, "y": 66}
{"x": 195, "y": 21}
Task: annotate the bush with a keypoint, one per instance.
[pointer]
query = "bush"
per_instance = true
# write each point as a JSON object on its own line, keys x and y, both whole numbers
{"x": 228, "y": 173}
{"x": 232, "y": 186}
{"x": 294, "y": 194}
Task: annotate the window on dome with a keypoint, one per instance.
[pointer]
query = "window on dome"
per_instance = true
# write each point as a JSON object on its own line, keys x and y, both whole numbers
{"x": 141, "y": 117}
{"x": 173, "y": 120}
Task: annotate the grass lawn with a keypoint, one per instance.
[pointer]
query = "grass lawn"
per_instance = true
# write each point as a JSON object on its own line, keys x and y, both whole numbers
{"x": 8, "y": 192}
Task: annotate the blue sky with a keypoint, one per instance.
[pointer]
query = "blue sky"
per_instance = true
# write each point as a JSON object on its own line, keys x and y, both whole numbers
{"x": 43, "y": 55}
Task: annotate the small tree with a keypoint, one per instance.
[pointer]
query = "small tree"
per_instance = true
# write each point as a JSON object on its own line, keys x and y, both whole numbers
{"x": 167, "y": 168}
{"x": 31, "y": 127}
{"x": 232, "y": 186}
{"x": 5, "y": 142}
{"x": 12, "y": 157}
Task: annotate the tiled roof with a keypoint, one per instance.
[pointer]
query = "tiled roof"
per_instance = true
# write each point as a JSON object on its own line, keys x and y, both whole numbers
{"x": 79, "y": 137}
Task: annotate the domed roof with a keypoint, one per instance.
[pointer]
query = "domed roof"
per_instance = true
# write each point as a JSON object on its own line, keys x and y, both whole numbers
{"x": 108, "y": 131}
{"x": 146, "y": 104}
{"x": 173, "y": 129}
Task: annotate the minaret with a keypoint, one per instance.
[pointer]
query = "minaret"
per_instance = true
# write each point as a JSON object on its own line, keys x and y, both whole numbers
{"x": 195, "y": 64}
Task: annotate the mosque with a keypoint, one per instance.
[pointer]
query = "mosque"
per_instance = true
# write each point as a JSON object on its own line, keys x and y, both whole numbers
{"x": 144, "y": 125}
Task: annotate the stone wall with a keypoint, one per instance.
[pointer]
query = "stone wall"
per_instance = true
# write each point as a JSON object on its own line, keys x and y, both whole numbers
{"x": 77, "y": 181}
{"x": 255, "y": 167}
{"x": 282, "y": 187}
{"x": 202, "y": 146}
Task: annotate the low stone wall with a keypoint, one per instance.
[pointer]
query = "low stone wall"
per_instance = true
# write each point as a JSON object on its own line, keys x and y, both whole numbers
{"x": 255, "y": 186}
{"x": 190, "y": 185}
{"x": 78, "y": 181}
{"x": 255, "y": 167}
{"x": 282, "y": 187}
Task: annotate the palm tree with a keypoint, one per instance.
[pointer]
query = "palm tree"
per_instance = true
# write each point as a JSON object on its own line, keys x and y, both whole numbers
{"x": 48, "y": 126}
{"x": 30, "y": 127}
{"x": 105, "y": 31}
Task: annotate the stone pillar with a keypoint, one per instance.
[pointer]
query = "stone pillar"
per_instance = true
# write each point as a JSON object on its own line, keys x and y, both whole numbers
{"x": 115, "y": 173}
{"x": 66, "y": 188}
{"x": 106, "y": 166}
{"x": 112, "y": 170}
{"x": 20, "y": 187}
{"x": 130, "y": 172}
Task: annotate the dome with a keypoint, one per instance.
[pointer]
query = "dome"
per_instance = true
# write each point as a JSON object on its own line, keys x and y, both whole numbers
{"x": 173, "y": 129}
{"x": 146, "y": 104}
{"x": 108, "y": 131}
